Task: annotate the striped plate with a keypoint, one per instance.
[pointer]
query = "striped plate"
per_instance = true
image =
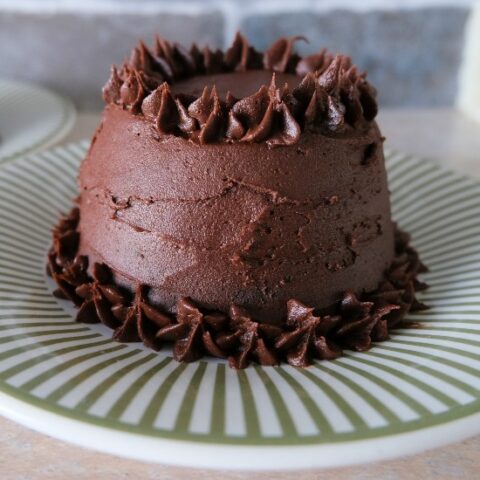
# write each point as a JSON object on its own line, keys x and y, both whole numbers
{"x": 31, "y": 118}
{"x": 419, "y": 390}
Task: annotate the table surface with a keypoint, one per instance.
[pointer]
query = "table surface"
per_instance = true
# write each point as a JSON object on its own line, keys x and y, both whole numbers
{"x": 441, "y": 134}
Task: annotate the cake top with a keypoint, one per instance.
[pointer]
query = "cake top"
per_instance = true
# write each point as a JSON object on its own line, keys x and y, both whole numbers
{"x": 241, "y": 94}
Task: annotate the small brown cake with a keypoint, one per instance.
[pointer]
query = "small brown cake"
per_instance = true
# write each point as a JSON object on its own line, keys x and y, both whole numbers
{"x": 236, "y": 204}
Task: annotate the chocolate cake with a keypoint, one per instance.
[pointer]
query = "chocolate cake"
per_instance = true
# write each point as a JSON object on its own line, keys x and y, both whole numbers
{"x": 236, "y": 204}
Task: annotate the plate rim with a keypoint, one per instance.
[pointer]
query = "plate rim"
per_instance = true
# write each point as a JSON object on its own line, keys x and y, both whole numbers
{"x": 183, "y": 453}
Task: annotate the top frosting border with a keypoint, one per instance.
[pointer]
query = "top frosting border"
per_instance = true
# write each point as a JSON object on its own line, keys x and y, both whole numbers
{"x": 331, "y": 95}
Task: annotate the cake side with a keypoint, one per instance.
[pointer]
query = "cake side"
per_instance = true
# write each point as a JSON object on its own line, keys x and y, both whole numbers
{"x": 303, "y": 335}
{"x": 241, "y": 223}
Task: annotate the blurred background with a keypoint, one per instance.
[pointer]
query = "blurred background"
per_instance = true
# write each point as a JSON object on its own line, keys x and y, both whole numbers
{"x": 422, "y": 55}
{"x": 412, "y": 49}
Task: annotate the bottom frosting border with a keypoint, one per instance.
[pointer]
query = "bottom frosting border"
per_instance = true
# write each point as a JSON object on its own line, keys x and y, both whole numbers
{"x": 305, "y": 334}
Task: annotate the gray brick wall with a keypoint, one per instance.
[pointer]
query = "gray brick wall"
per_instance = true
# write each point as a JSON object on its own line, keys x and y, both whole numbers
{"x": 72, "y": 52}
{"x": 412, "y": 54}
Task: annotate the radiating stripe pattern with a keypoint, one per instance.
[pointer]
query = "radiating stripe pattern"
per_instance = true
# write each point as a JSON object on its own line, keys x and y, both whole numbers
{"x": 421, "y": 377}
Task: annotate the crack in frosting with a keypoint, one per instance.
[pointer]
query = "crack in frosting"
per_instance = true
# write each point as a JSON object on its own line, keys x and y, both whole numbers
{"x": 304, "y": 336}
{"x": 330, "y": 96}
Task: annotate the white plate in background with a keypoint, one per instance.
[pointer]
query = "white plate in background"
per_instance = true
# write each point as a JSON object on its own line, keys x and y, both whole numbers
{"x": 31, "y": 118}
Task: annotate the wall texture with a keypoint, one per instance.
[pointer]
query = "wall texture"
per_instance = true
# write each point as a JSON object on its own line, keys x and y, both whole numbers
{"x": 411, "y": 49}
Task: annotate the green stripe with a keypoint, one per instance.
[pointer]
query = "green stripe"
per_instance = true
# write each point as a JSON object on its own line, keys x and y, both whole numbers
{"x": 25, "y": 336}
{"x": 120, "y": 405}
{"x": 14, "y": 215}
{"x": 438, "y": 202}
{"x": 453, "y": 297}
{"x": 34, "y": 186}
{"x": 90, "y": 399}
{"x": 29, "y": 291}
{"x": 35, "y": 325}
{"x": 278, "y": 402}
{"x": 456, "y": 299}
{"x": 25, "y": 364}
{"x": 49, "y": 173}
{"x": 436, "y": 210}
{"x": 17, "y": 305}
{"x": 433, "y": 182}
{"x": 35, "y": 382}
{"x": 57, "y": 176}
{"x": 411, "y": 333}
{"x": 432, "y": 322}
{"x": 45, "y": 300}
{"x": 438, "y": 394}
{"x": 451, "y": 268}
{"x": 317, "y": 414}
{"x": 446, "y": 314}
{"x": 218, "y": 407}
{"x": 16, "y": 249}
{"x": 460, "y": 268}
{"x": 430, "y": 180}
{"x": 9, "y": 279}
{"x": 67, "y": 162}
{"x": 9, "y": 230}
{"x": 58, "y": 314}
{"x": 17, "y": 268}
{"x": 346, "y": 409}
{"x": 385, "y": 385}
{"x": 457, "y": 351}
{"x": 39, "y": 180}
{"x": 362, "y": 392}
{"x": 18, "y": 193}
{"x": 251, "y": 417}
{"x": 438, "y": 228}
{"x": 452, "y": 247}
{"x": 440, "y": 360}
{"x": 31, "y": 229}
{"x": 442, "y": 259}
{"x": 393, "y": 157}
{"x": 62, "y": 390}
{"x": 38, "y": 215}
{"x": 406, "y": 165}
{"x": 45, "y": 343}
{"x": 19, "y": 259}
{"x": 446, "y": 378}
{"x": 32, "y": 308}
{"x": 186, "y": 409}
{"x": 451, "y": 329}
{"x": 434, "y": 286}
{"x": 403, "y": 187}
{"x": 443, "y": 308}
{"x": 155, "y": 405}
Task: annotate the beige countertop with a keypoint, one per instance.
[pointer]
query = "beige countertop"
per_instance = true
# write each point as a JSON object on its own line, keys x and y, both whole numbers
{"x": 439, "y": 134}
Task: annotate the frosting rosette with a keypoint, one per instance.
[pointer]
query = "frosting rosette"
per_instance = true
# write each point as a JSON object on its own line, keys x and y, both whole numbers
{"x": 323, "y": 92}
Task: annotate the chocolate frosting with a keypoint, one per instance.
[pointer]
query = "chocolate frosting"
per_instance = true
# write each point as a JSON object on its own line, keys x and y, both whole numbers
{"x": 239, "y": 222}
{"x": 192, "y": 230}
{"x": 322, "y": 92}
{"x": 304, "y": 335}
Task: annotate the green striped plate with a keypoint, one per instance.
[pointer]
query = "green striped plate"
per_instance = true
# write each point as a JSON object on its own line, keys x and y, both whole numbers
{"x": 31, "y": 118}
{"x": 419, "y": 390}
